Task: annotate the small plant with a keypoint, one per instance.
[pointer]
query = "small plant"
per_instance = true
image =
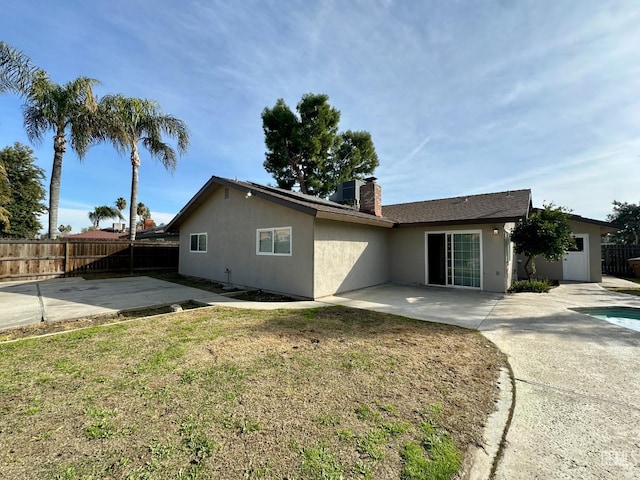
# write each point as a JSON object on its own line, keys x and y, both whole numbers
{"x": 189, "y": 376}
{"x": 345, "y": 435}
{"x": 435, "y": 458}
{"x": 395, "y": 429}
{"x": 371, "y": 444}
{"x": 102, "y": 427}
{"x": 536, "y": 286}
{"x": 360, "y": 470}
{"x": 196, "y": 443}
{"x": 247, "y": 426}
{"x": 328, "y": 420}
{"x": 365, "y": 413}
{"x": 320, "y": 463}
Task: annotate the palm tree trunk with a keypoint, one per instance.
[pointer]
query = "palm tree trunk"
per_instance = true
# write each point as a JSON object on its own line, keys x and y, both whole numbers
{"x": 135, "y": 164}
{"x": 59, "y": 147}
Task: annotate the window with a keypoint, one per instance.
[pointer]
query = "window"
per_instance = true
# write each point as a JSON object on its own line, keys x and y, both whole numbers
{"x": 198, "y": 242}
{"x": 273, "y": 241}
{"x": 578, "y": 245}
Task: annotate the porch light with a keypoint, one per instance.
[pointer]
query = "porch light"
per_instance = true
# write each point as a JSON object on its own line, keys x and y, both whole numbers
{"x": 495, "y": 230}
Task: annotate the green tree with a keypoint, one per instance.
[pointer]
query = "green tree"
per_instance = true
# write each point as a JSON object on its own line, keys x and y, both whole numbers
{"x": 26, "y": 192}
{"x": 627, "y": 217}
{"x": 306, "y": 149}
{"x": 545, "y": 233}
{"x": 5, "y": 196}
{"x": 65, "y": 109}
{"x": 103, "y": 212}
{"x": 16, "y": 70}
{"x": 128, "y": 122}
{"x": 64, "y": 229}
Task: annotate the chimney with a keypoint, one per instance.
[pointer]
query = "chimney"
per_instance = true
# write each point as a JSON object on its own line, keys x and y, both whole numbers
{"x": 371, "y": 197}
{"x": 148, "y": 223}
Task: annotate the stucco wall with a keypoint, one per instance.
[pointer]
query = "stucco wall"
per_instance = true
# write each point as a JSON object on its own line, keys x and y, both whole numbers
{"x": 553, "y": 270}
{"x": 349, "y": 256}
{"x": 511, "y": 267}
{"x": 407, "y": 255}
{"x": 231, "y": 228}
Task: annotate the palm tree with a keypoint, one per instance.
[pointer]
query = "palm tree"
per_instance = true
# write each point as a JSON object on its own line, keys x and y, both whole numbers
{"x": 121, "y": 204}
{"x": 102, "y": 213}
{"x": 61, "y": 108}
{"x": 143, "y": 212}
{"x": 16, "y": 70}
{"x": 131, "y": 121}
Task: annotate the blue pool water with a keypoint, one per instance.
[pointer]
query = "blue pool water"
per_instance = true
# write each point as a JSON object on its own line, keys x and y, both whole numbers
{"x": 627, "y": 317}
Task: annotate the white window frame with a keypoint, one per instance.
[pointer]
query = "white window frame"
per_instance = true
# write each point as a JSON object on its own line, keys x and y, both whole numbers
{"x": 206, "y": 242}
{"x": 273, "y": 233}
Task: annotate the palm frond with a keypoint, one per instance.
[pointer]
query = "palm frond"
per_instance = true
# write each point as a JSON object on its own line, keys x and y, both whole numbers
{"x": 16, "y": 70}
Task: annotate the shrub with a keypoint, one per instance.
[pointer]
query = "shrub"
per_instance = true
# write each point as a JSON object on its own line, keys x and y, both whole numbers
{"x": 537, "y": 286}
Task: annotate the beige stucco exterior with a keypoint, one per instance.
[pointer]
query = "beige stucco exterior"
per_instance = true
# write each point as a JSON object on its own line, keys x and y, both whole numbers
{"x": 332, "y": 249}
{"x": 408, "y": 263}
{"x": 554, "y": 270}
{"x": 231, "y": 224}
{"x": 349, "y": 256}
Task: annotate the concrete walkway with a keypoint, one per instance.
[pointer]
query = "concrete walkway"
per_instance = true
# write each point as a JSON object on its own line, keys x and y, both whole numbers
{"x": 577, "y": 411}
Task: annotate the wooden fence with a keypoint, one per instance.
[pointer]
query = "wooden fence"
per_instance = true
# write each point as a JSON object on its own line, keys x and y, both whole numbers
{"x": 35, "y": 259}
{"x": 614, "y": 259}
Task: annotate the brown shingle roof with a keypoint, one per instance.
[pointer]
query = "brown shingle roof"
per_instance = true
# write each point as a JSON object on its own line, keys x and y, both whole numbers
{"x": 97, "y": 235}
{"x": 502, "y": 206}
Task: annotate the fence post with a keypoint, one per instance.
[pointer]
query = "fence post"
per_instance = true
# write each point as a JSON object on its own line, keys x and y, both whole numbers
{"x": 66, "y": 258}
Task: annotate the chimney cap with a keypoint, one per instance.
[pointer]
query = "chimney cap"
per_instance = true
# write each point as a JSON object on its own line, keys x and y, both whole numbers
{"x": 370, "y": 179}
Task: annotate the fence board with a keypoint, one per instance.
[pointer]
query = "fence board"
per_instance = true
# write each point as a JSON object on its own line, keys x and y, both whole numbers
{"x": 614, "y": 259}
{"x": 33, "y": 259}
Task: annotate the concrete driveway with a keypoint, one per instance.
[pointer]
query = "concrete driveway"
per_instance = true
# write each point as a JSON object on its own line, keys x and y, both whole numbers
{"x": 25, "y": 303}
{"x": 577, "y": 410}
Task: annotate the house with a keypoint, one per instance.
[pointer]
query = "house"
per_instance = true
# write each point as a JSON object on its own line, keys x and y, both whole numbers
{"x": 251, "y": 235}
{"x": 105, "y": 234}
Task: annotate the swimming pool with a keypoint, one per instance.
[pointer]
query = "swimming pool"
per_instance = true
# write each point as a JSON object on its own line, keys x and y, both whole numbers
{"x": 627, "y": 317}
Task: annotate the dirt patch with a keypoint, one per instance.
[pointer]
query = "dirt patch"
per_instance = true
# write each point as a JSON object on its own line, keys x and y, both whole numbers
{"x": 226, "y": 393}
{"x": 261, "y": 296}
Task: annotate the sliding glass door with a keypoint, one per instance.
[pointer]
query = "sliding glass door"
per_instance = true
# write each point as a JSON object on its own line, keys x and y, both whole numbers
{"x": 454, "y": 258}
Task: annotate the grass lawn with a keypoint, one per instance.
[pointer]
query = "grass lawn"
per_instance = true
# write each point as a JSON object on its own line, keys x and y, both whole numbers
{"x": 230, "y": 394}
{"x": 628, "y": 291}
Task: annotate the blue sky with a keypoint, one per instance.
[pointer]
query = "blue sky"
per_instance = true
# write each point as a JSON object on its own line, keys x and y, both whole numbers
{"x": 460, "y": 97}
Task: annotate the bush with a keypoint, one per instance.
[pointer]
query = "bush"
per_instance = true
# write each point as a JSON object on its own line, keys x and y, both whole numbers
{"x": 537, "y": 286}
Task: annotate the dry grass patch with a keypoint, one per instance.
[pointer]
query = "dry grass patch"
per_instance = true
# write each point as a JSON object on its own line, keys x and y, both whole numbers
{"x": 225, "y": 393}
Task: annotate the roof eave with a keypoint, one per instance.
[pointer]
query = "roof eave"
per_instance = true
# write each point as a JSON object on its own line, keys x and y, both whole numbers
{"x": 470, "y": 221}
{"x": 373, "y": 221}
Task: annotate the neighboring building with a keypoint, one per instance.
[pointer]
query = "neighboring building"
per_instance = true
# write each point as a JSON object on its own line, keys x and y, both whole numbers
{"x": 106, "y": 234}
{"x": 256, "y": 236}
{"x": 158, "y": 234}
